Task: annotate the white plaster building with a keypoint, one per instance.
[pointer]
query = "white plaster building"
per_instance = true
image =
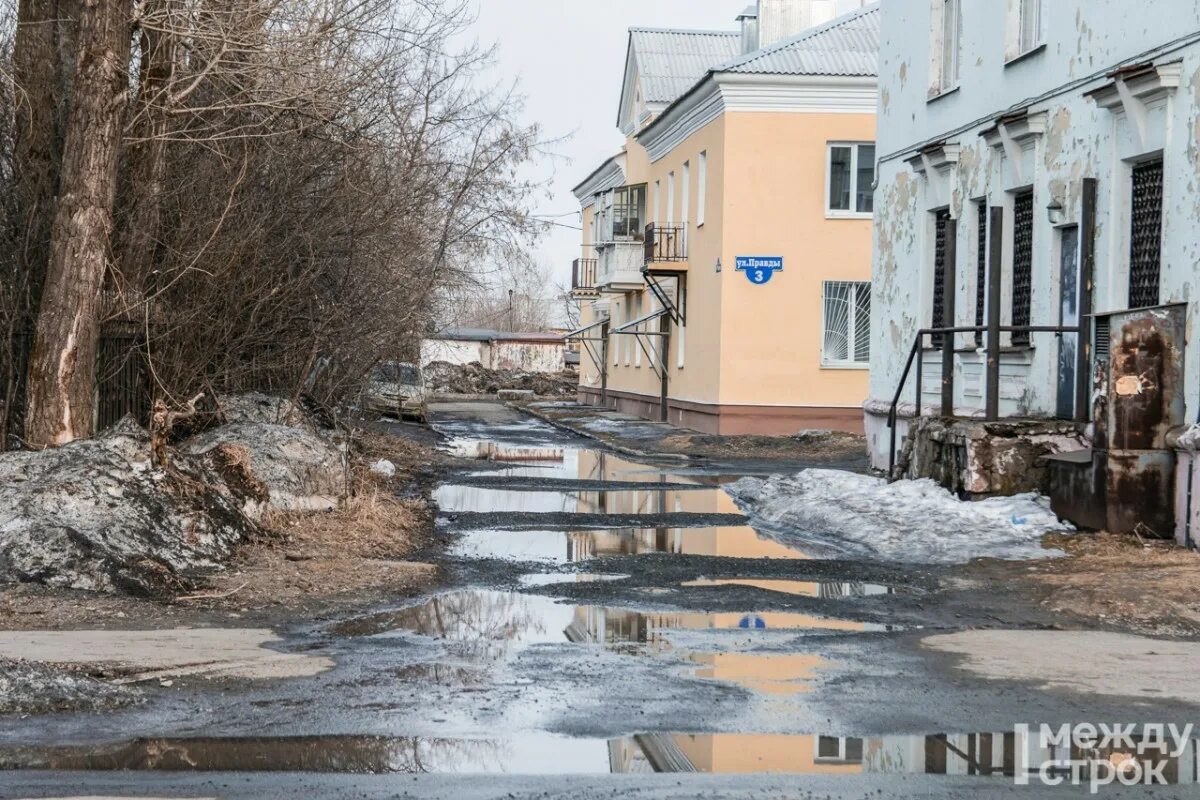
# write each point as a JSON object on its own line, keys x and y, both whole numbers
{"x": 1011, "y": 105}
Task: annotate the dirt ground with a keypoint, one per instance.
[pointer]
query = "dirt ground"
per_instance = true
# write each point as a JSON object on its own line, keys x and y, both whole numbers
{"x": 304, "y": 565}
{"x": 1121, "y": 582}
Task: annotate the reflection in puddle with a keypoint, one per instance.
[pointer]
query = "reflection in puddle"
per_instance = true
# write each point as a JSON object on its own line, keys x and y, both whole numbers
{"x": 558, "y": 578}
{"x": 576, "y": 546}
{"x": 453, "y": 498}
{"x": 487, "y": 625}
{"x": 563, "y": 462}
{"x": 996, "y": 756}
{"x": 825, "y": 591}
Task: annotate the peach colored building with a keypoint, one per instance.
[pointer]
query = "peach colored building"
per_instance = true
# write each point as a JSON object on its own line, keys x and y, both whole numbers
{"x": 725, "y": 280}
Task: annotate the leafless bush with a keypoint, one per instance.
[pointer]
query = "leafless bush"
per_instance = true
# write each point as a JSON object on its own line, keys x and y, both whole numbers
{"x": 300, "y": 183}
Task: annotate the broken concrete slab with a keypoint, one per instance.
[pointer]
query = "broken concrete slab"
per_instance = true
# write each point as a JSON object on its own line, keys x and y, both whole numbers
{"x": 160, "y": 654}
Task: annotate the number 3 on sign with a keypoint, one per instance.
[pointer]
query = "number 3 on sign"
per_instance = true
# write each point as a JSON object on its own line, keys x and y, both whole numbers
{"x": 759, "y": 269}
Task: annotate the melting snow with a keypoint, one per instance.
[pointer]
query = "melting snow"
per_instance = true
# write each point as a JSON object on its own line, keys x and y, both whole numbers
{"x": 908, "y": 521}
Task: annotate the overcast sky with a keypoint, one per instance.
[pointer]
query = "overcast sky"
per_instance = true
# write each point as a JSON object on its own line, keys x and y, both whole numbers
{"x": 569, "y": 55}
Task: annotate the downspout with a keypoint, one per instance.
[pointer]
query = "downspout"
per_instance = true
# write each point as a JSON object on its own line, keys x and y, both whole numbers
{"x": 1188, "y": 541}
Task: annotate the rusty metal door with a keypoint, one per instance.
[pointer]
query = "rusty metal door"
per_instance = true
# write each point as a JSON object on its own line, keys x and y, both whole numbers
{"x": 1145, "y": 401}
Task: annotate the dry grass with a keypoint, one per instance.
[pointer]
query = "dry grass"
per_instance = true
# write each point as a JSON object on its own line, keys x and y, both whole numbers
{"x": 1120, "y": 580}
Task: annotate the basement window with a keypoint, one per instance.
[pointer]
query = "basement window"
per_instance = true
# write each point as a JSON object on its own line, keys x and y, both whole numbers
{"x": 847, "y": 324}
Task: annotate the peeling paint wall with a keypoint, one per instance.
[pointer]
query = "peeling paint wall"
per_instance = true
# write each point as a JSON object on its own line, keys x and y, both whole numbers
{"x": 1070, "y": 137}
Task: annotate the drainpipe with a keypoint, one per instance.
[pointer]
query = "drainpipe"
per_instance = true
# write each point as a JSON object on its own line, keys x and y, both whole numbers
{"x": 1188, "y": 541}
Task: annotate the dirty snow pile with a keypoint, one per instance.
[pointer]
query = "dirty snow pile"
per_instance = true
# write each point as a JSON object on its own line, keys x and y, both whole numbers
{"x": 1189, "y": 439}
{"x": 95, "y": 515}
{"x": 302, "y": 469}
{"x": 908, "y": 521}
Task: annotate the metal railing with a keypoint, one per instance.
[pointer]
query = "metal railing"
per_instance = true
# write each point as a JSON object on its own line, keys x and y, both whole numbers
{"x": 583, "y": 275}
{"x": 992, "y": 373}
{"x": 666, "y": 243}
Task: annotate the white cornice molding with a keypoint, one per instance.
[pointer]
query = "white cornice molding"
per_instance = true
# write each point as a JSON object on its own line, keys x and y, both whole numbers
{"x": 803, "y": 94}
{"x": 723, "y": 92}
{"x": 1132, "y": 90}
{"x": 935, "y": 158}
{"x": 689, "y": 115}
{"x": 609, "y": 175}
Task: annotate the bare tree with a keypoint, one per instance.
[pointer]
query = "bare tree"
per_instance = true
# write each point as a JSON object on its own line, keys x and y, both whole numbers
{"x": 61, "y": 374}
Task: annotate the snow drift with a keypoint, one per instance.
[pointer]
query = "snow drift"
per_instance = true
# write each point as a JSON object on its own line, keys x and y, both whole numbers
{"x": 917, "y": 521}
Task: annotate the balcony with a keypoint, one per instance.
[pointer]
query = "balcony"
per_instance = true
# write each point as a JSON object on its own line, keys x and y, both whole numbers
{"x": 619, "y": 267}
{"x": 665, "y": 248}
{"x": 583, "y": 277}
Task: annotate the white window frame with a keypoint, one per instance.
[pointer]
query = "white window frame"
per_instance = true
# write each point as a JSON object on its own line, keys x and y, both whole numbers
{"x": 671, "y": 198}
{"x": 637, "y": 314}
{"x": 685, "y": 201}
{"x": 851, "y": 330}
{"x": 850, "y": 213}
{"x": 657, "y": 202}
{"x": 701, "y": 188}
{"x": 1023, "y": 36}
{"x": 945, "y": 56}
{"x": 681, "y": 329}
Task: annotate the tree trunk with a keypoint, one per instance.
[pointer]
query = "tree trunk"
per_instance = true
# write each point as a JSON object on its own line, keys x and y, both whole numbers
{"x": 63, "y": 362}
{"x": 139, "y": 217}
{"x": 37, "y": 145}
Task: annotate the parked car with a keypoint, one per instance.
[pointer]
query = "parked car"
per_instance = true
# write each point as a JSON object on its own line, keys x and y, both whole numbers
{"x": 396, "y": 390}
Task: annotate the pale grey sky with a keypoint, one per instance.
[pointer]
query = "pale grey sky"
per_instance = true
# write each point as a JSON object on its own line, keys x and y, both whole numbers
{"x": 569, "y": 55}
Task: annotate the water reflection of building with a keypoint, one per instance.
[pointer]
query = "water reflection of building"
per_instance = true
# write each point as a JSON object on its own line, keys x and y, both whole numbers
{"x": 995, "y": 755}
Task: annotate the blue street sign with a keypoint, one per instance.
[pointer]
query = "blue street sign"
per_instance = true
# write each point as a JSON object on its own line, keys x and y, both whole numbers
{"x": 752, "y": 621}
{"x": 759, "y": 269}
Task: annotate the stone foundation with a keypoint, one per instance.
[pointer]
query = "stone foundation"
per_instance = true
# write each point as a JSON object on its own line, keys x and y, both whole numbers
{"x": 980, "y": 459}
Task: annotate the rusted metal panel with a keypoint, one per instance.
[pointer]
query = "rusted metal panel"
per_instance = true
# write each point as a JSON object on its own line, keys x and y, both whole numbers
{"x": 1078, "y": 482}
{"x": 1141, "y": 493}
{"x": 1146, "y": 392}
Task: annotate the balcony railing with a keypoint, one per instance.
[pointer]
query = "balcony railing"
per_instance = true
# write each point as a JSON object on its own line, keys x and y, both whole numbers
{"x": 583, "y": 276}
{"x": 666, "y": 243}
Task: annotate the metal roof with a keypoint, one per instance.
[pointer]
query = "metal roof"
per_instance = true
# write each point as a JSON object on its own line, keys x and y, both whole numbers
{"x": 848, "y": 46}
{"x": 669, "y": 61}
{"x": 489, "y": 335}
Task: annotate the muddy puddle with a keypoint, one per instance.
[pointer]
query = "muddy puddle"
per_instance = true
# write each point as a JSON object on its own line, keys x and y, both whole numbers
{"x": 583, "y": 545}
{"x": 452, "y": 499}
{"x": 994, "y": 758}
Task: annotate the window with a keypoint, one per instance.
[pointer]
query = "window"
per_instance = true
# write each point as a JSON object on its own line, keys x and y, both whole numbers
{"x": 637, "y": 350}
{"x": 1145, "y": 240}
{"x": 851, "y": 178}
{"x": 629, "y": 213}
{"x": 1030, "y": 25}
{"x": 947, "y": 35}
{"x": 1022, "y": 291}
{"x": 836, "y": 748}
{"x": 687, "y": 193}
{"x": 847, "y": 324}
{"x": 981, "y": 259}
{"x": 941, "y": 226}
{"x": 616, "y": 342}
{"x": 670, "y": 198}
{"x": 681, "y": 330}
{"x": 702, "y": 188}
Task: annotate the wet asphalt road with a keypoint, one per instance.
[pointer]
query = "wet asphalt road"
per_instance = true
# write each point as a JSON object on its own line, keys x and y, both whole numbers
{"x": 607, "y": 620}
